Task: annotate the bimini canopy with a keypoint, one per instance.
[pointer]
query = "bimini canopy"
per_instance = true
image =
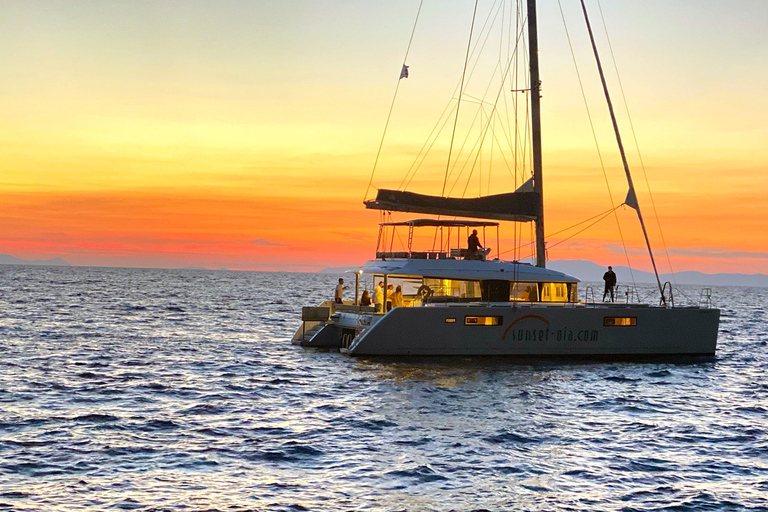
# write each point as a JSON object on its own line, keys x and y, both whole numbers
{"x": 520, "y": 206}
{"x": 419, "y": 223}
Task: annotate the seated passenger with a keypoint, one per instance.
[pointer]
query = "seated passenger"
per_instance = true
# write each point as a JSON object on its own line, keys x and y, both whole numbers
{"x": 473, "y": 247}
{"x": 365, "y": 300}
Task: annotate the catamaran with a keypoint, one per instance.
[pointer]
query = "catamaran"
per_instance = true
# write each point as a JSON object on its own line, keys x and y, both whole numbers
{"x": 459, "y": 301}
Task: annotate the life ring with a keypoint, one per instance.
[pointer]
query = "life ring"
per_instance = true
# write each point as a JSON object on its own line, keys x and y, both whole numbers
{"x": 424, "y": 292}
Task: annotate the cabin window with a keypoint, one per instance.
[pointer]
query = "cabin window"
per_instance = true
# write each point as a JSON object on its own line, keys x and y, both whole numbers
{"x": 620, "y": 321}
{"x": 454, "y": 288}
{"x": 483, "y": 320}
{"x": 554, "y": 292}
{"x": 450, "y": 320}
{"x": 524, "y": 292}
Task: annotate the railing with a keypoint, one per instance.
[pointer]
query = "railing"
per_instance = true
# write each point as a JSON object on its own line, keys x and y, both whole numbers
{"x": 414, "y": 255}
{"x": 671, "y": 295}
{"x": 630, "y": 293}
{"x": 589, "y": 292}
{"x": 705, "y": 298}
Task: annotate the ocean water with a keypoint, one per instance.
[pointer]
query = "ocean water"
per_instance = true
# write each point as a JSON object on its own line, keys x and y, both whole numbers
{"x": 133, "y": 389}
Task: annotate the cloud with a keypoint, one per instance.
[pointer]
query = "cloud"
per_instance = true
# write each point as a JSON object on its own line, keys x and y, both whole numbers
{"x": 696, "y": 252}
{"x": 632, "y": 251}
{"x": 717, "y": 252}
{"x": 264, "y": 241}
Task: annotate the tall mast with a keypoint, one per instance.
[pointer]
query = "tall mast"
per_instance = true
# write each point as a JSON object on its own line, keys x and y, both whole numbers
{"x": 533, "y": 48}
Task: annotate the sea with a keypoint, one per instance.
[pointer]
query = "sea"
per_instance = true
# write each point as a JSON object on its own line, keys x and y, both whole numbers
{"x": 179, "y": 390}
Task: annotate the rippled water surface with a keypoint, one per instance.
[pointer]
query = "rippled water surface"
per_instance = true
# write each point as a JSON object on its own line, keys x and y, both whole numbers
{"x": 179, "y": 390}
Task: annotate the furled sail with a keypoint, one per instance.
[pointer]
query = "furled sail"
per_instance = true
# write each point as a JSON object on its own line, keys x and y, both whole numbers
{"x": 520, "y": 206}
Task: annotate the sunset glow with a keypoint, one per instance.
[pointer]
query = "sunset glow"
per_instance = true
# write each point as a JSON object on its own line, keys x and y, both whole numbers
{"x": 243, "y": 134}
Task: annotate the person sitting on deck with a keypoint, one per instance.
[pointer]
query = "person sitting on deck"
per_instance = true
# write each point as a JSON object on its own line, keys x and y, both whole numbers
{"x": 365, "y": 300}
{"x": 473, "y": 247}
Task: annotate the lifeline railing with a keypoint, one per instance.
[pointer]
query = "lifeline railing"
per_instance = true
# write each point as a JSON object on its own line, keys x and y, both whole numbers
{"x": 671, "y": 295}
{"x": 705, "y": 298}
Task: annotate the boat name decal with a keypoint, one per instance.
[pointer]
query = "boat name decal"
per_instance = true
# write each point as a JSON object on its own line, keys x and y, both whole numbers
{"x": 537, "y": 317}
{"x": 563, "y": 334}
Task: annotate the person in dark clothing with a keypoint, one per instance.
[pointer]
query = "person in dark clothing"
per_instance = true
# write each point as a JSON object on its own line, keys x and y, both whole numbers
{"x": 473, "y": 246}
{"x": 610, "y": 283}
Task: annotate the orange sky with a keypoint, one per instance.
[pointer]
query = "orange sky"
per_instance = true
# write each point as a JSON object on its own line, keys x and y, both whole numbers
{"x": 243, "y": 134}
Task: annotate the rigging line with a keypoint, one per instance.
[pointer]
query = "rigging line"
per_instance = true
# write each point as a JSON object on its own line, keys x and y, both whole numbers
{"x": 597, "y": 144}
{"x": 491, "y": 116}
{"x": 606, "y": 212}
{"x": 637, "y": 145}
{"x": 513, "y": 63}
{"x": 495, "y": 108}
{"x": 636, "y": 204}
{"x": 549, "y": 246}
{"x": 503, "y": 156}
{"x": 492, "y": 20}
{"x": 479, "y": 152}
{"x": 478, "y": 140}
{"x": 458, "y": 105}
{"x": 515, "y": 102}
{"x": 392, "y": 106}
{"x": 427, "y": 146}
{"x": 428, "y": 149}
{"x": 508, "y": 57}
{"x": 453, "y": 96}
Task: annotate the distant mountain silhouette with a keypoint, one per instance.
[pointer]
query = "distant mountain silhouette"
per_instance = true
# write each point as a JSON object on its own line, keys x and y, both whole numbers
{"x": 589, "y": 271}
{"x": 592, "y": 272}
{"x": 6, "y": 259}
{"x": 338, "y": 270}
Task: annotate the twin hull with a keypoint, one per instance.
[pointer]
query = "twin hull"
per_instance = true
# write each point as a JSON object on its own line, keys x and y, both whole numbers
{"x": 537, "y": 331}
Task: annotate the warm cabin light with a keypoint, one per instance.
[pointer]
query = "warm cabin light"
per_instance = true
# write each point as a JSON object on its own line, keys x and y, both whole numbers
{"x": 483, "y": 320}
{"x": 554, "y": 292}
{"x": 450, "y": 320}
{"x": 616, "y": 321}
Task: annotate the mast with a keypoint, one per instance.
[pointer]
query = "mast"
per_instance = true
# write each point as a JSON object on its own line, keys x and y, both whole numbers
{"x": 533, "y": 49}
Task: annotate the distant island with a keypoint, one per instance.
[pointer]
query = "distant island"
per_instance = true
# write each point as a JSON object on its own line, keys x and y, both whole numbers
{"x": 592, "y": 272}
{"x": 6, "y": 259}
{"x": 589, "y": 271}
{"x": 582, "y": 269}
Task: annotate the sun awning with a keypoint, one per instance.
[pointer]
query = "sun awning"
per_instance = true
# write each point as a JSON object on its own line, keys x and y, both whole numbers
{"x": 419, "y": 223}
{"x": 520, "y": 206}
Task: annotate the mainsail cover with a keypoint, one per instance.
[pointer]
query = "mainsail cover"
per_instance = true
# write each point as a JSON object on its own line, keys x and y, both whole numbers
{"x": 519, "y": 206}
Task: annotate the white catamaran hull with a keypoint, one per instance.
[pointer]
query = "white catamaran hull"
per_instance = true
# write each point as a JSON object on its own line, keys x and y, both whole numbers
{"x": 539, "y": 330}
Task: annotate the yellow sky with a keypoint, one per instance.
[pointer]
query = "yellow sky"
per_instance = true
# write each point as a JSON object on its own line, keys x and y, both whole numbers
{"x": 243, "y": 134}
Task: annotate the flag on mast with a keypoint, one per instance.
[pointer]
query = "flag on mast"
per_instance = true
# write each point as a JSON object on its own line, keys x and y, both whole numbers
{"x": 404, "y": 72}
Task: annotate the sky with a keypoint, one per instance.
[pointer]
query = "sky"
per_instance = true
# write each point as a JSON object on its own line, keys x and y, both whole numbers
{"x": 243, "y": 134}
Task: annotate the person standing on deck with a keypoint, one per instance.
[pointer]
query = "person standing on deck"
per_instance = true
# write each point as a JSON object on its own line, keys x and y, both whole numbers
{"x": 610, "y": 282}
{"x": 473, "y": 246}
{"x": 340, "y": 291}
{"x": 378, "y": 297}
{"x": 397, "y": 297}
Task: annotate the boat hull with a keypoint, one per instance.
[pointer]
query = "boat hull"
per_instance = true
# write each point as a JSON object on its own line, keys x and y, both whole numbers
{"x": 541, "y": 330}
